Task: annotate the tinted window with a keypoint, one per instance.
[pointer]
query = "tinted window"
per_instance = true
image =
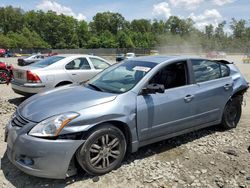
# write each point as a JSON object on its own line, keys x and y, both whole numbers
{"x": 171, "y": 76}
{"x": 77, "y": 64}
{"x": 48, "y": 61}
{"x": 99, "y": 64}
{"x": 205, "y": 70}
{"x": 224, "y": 71}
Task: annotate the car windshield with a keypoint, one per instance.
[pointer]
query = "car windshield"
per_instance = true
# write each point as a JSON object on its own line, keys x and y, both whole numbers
{"x": 48, "y": 61}
{"x": 120, "y": 78}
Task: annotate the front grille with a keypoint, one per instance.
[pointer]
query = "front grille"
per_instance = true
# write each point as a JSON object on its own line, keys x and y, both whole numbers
{"x": 18, "y": 121}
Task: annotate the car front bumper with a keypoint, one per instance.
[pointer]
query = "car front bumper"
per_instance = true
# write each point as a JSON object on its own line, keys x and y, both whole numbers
{"x": 40, "y": 157}
{"x": 27, "y": 88}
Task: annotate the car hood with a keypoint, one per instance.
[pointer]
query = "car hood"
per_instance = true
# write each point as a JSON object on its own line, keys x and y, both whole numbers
{"x": 71, "y": 98}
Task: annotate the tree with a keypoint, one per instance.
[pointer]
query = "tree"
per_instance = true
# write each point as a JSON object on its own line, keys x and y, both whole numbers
{"x": 82, "y": 33}
{"x": 219, "y": 30}
{"x": 179, "y": 26}
{"x": 107, "y": 21}
{"x": 124, "y": 40}
{"x": 93, "y": 42}
{"x": 11, "y": 19}
{"x": 142, "y": 26}
{"x": 107, "y": 40}
{"x": 238, "y": 27}
{"x": 209, "y": 31}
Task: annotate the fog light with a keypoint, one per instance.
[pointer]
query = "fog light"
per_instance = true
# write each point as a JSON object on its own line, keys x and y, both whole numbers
{"x": 25, "y": 160}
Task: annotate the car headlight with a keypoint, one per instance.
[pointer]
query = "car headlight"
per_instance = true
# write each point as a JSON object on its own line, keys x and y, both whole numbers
{"x": 52, "y": 126}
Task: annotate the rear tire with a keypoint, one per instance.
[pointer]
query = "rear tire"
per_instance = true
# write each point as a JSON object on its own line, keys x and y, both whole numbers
{"x": 232, "y": 113}
{"x": 103, "y": 150}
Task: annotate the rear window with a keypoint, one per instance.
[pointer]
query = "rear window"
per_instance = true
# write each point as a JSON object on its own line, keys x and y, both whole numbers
{"x": 48, "y": 61}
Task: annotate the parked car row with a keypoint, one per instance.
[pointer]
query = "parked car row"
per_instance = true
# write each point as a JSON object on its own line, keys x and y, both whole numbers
{"x": 7, "y": 53}
{"x": 126, "y": 106}
{"x": 121, "y": 57}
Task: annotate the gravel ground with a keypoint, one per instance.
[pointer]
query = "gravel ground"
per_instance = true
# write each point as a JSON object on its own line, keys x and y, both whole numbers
{"x": 207, "y": 158}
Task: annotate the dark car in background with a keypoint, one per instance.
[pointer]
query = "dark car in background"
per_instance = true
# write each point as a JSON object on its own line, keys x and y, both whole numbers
{"x": 120, "y": 57}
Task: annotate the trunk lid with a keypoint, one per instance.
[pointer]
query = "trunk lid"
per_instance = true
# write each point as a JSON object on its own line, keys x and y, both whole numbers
{"x": 20, "y": 73}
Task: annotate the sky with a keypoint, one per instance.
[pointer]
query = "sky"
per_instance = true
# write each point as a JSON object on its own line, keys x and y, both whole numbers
{"x": 203, "y": 12}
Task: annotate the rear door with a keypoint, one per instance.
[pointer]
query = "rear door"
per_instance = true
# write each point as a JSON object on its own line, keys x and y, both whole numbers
{"x": 79, "y": 70}
{"x": 213, "y": 89}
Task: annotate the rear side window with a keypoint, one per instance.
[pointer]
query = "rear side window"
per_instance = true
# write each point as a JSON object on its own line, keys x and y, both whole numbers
{"x": 205, "y": 70}
{"x": 77, "y": 64}
{"x": 98, "y": 63}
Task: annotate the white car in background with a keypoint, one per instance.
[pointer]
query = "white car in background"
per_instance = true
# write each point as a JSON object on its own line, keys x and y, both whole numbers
{"x": 56, "y": 71}
{"x": 31, "y": 59}
{"x": 130, "y": 55}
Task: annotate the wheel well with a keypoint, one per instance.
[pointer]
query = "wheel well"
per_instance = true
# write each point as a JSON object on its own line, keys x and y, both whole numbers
{"x": 63, "y": 83}
{"x": 239, "y": 93}
{"x": 123, "y": 127}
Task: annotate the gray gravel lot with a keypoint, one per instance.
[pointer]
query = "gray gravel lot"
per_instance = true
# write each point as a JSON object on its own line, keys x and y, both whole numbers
{"x": 207, "y": 158}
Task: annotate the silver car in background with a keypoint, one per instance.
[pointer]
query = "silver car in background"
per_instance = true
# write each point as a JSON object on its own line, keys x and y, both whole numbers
{"x": 56, "y": 71}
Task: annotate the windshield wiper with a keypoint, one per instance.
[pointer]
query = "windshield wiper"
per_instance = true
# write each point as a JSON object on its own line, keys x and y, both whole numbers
{"x": 96, "y": 87}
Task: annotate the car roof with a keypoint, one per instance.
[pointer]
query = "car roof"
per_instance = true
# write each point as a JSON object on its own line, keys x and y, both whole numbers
{"x": 164, "y": 58}
{"x": 155, "y": 58}
{"x": 75, "y": 55}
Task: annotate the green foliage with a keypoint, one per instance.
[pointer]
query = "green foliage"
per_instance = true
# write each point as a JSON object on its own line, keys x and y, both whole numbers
{"x": 107, "y": 21}
{"x": 38, "y": 29}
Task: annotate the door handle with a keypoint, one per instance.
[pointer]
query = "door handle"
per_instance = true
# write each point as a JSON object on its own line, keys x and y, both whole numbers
{"x": 74, "y": 74}
{"x": 227, "y": 86}
{"x": 188, "y": 98}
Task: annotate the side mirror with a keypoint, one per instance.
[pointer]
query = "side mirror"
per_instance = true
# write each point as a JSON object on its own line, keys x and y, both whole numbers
{"x": 152, "y": 89}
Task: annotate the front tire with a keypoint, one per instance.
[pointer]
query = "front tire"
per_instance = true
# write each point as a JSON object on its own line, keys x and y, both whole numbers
{"x": 103, "y": 150}
{"x": 232, "y": 113}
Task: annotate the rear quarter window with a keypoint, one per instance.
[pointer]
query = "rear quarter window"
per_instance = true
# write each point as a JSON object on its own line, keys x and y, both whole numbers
{"x": 225, "y": 71}
{"x": 48, "y": 61}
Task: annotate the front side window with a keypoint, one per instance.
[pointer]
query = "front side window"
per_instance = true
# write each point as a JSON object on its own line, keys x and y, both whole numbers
{"x": 171, "y": 76}
{"x": 122, "y": 77}
{"x": 98, "y": 63}
{"x": 205, "y": 70}
{"x": 78, "y": 64}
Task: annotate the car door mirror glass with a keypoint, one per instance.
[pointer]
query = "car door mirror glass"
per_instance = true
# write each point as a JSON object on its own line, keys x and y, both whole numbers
{"x": 153, "y": 88}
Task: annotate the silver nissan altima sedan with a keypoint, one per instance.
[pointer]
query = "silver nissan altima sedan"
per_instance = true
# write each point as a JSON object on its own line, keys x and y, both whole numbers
{"x": 128, "y": 105}
{"x": 56, "y": 71}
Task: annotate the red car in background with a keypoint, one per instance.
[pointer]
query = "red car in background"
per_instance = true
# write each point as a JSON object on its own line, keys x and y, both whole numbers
{"x": 6, "y": 73}
{"x": 2, "y": 52}
{"x": 216, "y": 55}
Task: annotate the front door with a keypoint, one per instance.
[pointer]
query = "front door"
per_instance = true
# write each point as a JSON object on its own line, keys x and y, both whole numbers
{"x": 165, "y": 113}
